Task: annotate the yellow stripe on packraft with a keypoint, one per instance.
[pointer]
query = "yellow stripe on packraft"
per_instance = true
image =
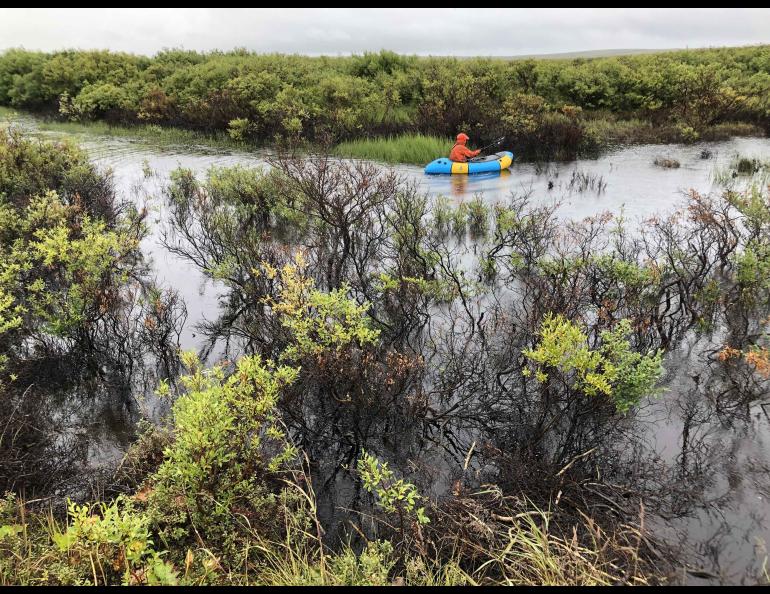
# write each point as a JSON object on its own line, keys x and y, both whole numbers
{"x": 459, "y": 168}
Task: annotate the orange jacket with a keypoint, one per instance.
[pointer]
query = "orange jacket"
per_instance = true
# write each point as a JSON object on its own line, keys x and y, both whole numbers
{"x": 461, "y": 153}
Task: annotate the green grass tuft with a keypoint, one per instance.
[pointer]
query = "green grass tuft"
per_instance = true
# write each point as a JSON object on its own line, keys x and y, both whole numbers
{"x": 417, "y": 149}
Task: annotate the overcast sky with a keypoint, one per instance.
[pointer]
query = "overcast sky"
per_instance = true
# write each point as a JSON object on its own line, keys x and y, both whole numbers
{"x": 333, "y": 31}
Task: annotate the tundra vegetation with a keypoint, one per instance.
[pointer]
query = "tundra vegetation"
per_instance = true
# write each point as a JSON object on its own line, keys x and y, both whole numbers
{"x": 403, "y": 108}
{"x": 371, "y": 337}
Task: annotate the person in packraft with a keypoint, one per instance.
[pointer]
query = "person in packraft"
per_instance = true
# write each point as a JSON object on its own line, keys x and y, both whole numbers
{"x": 461, "y": 153}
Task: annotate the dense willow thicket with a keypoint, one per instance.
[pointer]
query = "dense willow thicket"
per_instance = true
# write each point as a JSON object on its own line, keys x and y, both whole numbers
{"x": 547, "y": 108}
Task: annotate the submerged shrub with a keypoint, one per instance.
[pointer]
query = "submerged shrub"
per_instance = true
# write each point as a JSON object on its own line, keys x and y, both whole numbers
{"x": 614, "y": 370}
{"x": 217, "y": 502}
{"x": 666, "y": 163}
{"x": 585, "y": 180}
{"x": 442, "y": 216}
{"x": 752, "y": 271}
{"x": 460, "y": 218}
{"x": 318, "y": 321}
{"x": 64, "y": 251}
{"x": 757, "y": 357}
{"x": 747, "y": 165}
{"x": 478, "y": 216}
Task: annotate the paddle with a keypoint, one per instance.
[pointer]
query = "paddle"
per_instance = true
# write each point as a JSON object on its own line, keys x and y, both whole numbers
{"x": 497, "y": 142}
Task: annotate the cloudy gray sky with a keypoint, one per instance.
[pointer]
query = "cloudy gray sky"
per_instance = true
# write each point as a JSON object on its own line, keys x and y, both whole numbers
{"x": 332, "y": 31}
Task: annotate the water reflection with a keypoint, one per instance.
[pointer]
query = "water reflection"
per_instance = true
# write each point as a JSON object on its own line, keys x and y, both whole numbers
{"x": 463, "y": 186}
{"x": 712, "y": 456}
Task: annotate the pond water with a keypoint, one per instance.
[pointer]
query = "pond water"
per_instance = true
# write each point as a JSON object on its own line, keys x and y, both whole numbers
{"x": 719, "y": 455}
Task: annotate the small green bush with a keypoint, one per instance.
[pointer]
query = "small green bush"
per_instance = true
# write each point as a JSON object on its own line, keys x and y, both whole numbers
{"x": 394, "y": 496}
{"x": 614, "y": 370}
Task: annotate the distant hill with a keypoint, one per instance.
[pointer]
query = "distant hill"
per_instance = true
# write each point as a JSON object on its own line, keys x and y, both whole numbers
{"x": 603, "y": 53}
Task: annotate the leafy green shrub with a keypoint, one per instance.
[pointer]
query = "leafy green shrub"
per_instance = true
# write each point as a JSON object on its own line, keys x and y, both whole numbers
{"x": 687, "y": 133}
{"x": 105, "y": 100}
{"x": 753, "y": 270}
{"x": 100, "y": 544}
{"x": 393, "y": 496}
{"x": 319, "y": 322}
{"x": 216, "y": 491}
{"x": 239, "y": 129}
{"x": 213, "y": 482}
{"x": 614, "y": 370}
{"x": 68, "y": 249}
{"x": 113, "y": 543}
